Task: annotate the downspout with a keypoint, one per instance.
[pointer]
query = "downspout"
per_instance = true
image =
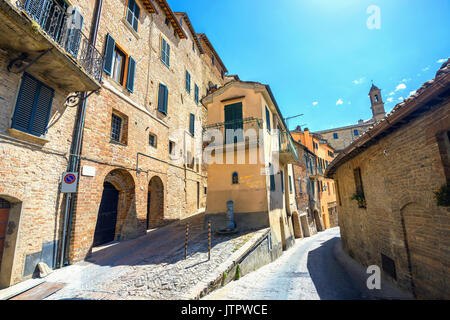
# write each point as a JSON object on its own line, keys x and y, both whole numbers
{"x": 74, "y": 162}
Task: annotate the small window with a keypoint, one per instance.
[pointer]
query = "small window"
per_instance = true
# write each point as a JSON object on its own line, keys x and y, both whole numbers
{"x": 212, "y": 59}
{"x": 282, "y": 180}
{"x": 222, "y": 74}
{"x": 133, "y": 12}
{"x": 193, "y": 46}
{"x": 272, "y": 178}
{"x": 235, "y": 178}
{"x": 268, "y": 119}
{"x": 152, "y": 140}
{"x": 165, "y": 52}
{"x": 205, "y": 190}
{"x": 171, "y": 147}
{"x": 359, "y": 187}
{"x": 116, "y": 128}
{"x": 167, "y": 21}
{"x": 33, "y": 106}
{"x": 290, "y": 184}
{"x": 188, "y": 82}
{"x": 376, "y": 98}
{"x": 300, "y": 186}
{"x": 335, "y": 135}
{"x": 356, "y": 132}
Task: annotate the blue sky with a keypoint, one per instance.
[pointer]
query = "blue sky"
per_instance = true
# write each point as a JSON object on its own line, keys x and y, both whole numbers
{"x": 322, "y": 50}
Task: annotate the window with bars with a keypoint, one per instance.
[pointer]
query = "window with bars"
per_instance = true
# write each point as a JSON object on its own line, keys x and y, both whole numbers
{"x": 33, "y": 106}
{"x": 116, "y": 128}
{"x": 152, "y": 140}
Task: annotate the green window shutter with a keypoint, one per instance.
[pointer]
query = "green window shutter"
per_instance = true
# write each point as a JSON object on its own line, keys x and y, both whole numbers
{"x": 188, "y": 82}
{"x": 166, "y": 99}
{"x": 267, "y": 119}
{"x": 196, "y": 93}
{"x": 290, "y": 184}
{"x": 161, "y": 98}
{"x": 192, "y": 123}
{"x": 282, "y": 180}
{"x": 109, "y": 54}
{"x": 33, "y": 106}
{"x": 131, "y": 73}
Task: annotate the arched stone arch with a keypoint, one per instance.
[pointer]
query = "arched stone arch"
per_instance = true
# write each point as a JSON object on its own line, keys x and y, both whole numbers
{"x": 155, "y": 202}
{"x": 117, "y": 206}
{"x": 10, "y": 214}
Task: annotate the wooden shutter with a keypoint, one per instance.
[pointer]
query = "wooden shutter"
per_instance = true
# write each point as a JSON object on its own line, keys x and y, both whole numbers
{"x": 161, "y": 94}
{"x": 109, "y": 54}
{"x": 131, "y": 72}
{"x": 192, "y": 123}
{"x": 196, "y": 93}
{"x": 267, "y": 119}
{"x": 166, "y": 98}
{"x": 33, "y": 106}
{"x": 42, "y": 111}
{"x": 24, "y": 105}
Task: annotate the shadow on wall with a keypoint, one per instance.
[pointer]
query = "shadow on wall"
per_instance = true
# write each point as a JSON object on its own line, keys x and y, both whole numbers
{"x": 330, "y": 279}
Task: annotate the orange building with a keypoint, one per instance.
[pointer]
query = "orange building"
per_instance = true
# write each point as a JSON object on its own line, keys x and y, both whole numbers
{"x": 327, "y": 190}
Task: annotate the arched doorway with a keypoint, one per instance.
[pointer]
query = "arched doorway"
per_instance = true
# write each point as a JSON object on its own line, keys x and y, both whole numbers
{"x": 4, "y": 215}
{"x": 155, "y": 202}
{"x": 105, "y": 228}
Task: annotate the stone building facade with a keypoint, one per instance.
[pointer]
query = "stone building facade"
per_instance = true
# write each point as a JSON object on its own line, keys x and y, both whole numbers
{"x": 340, "y": 138}
{"x": 139, "y": 166}
{"x": 394, "y": 170}
{"x": 253, "y": 169}
{"x": 325, "y": 201}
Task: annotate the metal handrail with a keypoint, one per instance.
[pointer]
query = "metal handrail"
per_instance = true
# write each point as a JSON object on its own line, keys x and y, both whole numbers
{"x": 53, "y": 20}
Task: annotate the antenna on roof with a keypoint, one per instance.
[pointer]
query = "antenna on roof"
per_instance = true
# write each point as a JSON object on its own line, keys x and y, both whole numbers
{"x": 287, "y": 120}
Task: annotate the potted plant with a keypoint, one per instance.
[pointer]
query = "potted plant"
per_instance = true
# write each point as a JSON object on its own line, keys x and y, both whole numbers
{"x": 359, "y": 197}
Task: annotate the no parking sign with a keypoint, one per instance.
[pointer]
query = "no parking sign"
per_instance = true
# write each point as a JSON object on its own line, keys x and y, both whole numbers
{"x": 69, "y": 182}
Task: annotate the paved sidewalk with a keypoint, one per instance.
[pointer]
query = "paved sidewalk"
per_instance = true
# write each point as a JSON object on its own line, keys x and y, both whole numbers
{"x": 150, "y": 267}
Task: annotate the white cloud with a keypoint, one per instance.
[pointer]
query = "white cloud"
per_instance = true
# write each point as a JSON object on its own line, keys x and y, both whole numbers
{"x": 426, "y": 68}
{"x": 441, "y": 60}
{"x": 339, "y": 102}
{"x": 400, "y": 99}
{"x": 349, "y": 102}
{"x": 359, "y": 81}
{"x": 401, "y": 86}
{"x": 412, "y": 92}
{"x": 315, "y": 103}
{"x": 391, "y": 93}
{"x": 389, "y": 99}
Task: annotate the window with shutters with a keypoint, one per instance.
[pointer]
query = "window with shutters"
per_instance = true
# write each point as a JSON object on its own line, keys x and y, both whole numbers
{"x": 165, "y": 52}
{"x": 196, "y": 94}
{"x": 235, "y": 178}
{"x": 132, "y": 14}
{"x": 282, "y": 180}
{"x": 192, "y": 124}
{"x": 163, "y": 96}
{"x": 188, "y": 82}
{"x": 33, "y": 106}
{"x": 233, "y": 123}
{"x": 118, "y": 64}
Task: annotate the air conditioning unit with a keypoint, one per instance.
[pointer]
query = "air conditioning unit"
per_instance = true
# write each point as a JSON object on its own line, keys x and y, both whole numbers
{"x": 74, "y": 25}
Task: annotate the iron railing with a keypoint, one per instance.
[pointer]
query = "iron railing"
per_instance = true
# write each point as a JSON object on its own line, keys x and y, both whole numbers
{"x": 56, "y": 22}
{"x": 237, "y": 131}
{"x": 286, "y": 144}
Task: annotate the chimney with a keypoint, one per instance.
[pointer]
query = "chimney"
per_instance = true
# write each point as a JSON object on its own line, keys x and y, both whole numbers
{"x": 298, "y": 128}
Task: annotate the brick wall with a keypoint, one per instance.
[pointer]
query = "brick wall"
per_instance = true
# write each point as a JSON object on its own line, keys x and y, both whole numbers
{"x": 402, "y": 220}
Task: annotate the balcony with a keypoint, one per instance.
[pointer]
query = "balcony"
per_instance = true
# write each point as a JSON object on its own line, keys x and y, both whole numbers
{"x": 246, "y": 131}
{"x": 288, "y": 153}
{"x": 44, "y": 38}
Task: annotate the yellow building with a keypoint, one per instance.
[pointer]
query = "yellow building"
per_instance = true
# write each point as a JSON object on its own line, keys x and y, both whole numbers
{"x": 252, "y": 167}
{"x": 326, "y": 188}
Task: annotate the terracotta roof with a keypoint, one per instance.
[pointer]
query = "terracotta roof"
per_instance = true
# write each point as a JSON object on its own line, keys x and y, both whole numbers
{"x": 205, "y": 38}
{"x": 191, "y": 28}
{"x": 172, "y": 18}
{"x": 149, "y": 6}
{"x": 431, "y": 92}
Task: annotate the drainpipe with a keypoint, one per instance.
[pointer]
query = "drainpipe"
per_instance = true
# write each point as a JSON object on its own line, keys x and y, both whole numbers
{"x": 74, "y": 162}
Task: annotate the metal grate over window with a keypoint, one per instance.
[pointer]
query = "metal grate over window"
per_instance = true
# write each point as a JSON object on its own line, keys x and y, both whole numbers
{"x": 116, "y": 127}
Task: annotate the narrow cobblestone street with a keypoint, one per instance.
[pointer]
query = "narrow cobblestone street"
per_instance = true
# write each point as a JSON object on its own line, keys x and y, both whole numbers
{"x": 308, "y": 270}
{"x": 150, "y": 267}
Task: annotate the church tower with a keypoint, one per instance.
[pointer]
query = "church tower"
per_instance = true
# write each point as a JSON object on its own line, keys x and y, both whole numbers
{"x": 377, "y": 104}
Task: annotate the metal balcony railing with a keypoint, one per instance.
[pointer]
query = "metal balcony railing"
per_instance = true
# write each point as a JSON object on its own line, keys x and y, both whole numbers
{"x": 58, "y": 24}
{"x": 248, "y": 129}
{"x": 286, "y": 145}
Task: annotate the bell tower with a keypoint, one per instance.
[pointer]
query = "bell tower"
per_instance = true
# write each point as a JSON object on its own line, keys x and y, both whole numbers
{"x": 376, "y": 102}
